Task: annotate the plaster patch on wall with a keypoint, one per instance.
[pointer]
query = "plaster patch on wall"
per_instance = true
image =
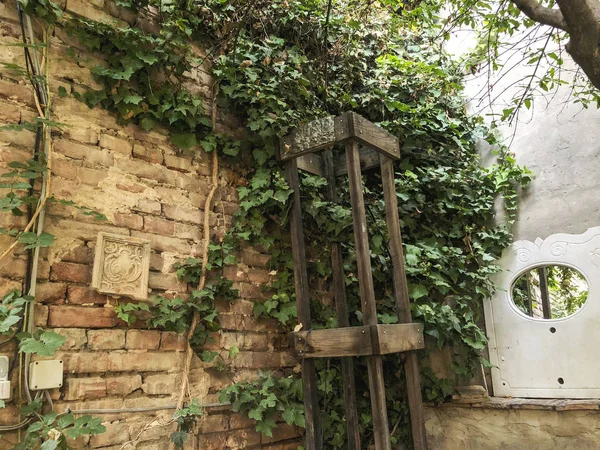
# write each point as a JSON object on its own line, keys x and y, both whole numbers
{"x": 121, "y": 266}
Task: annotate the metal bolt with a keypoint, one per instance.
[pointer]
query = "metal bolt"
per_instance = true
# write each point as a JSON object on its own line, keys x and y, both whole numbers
{"x": 363, "y": 332}
{"x": 384, "y": 332}
{"x": 419, "y": 341}
{"x": 364, "y": 346}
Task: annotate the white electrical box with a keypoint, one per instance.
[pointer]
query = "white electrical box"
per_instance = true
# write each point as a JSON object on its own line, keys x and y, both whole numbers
{"x": 45, "y": 375}
{"x": 4, "y": 383}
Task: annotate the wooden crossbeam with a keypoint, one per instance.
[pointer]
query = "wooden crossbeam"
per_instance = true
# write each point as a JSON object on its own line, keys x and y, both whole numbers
{"x": 364, "y": 340}
{"x": 314, "y": 163}
{"x": 327, "y": 131}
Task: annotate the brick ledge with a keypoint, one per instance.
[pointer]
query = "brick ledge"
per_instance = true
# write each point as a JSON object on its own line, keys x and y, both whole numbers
{"x": 527, "y": 403}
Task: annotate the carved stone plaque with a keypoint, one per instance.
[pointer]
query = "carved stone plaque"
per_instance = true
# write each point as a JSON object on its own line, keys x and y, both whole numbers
{"x": 121, "y": 266}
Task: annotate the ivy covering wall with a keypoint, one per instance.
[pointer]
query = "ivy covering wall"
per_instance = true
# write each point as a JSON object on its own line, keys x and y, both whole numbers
{"x": 276, "y": 64}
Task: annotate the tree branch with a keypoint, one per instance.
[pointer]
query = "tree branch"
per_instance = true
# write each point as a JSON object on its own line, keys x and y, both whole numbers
{"x": 546, "y": 16}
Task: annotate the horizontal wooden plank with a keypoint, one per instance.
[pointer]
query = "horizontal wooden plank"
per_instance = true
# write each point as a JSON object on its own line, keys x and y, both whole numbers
{"x": 357, "y": 341}
{"x": 313, "y": 162}
{"x": 397, "y": 338}
{"x": 332, "y": 343}
{"x": 312, "y": 136}
{"x": 371, "y": 135}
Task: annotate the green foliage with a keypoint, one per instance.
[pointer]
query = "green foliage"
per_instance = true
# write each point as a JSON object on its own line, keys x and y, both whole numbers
{"x": 11, "y": 311}
{"x": 186, "y": 418}
{"x": 266, "y": 399}
{"x": 43, "y": 343}
{"x": 285, "y": 62}
{"x": 50, "y": 431}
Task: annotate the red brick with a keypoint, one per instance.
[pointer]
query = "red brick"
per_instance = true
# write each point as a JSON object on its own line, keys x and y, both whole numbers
{"x": 183, "y": 214}
{"x": 123, "y": 385}
{"x": 75, "y": 273}
{"x": 83, "y": 362}
{"x": 85, "y": 388}
{"x": 160, "y": 384}
{"x": 148, "y": 206}
{"x": 151, "y": 155}
{"x": 13, "y": 268}
{"x": 21, "y": 92}
{"x": 260, "y": 276}
{"x": 10, "y": 113}
{"x": 75, "y": 338}
{"x": 171, "y": 341}
{"x": 132, "y": 221}
{"x": 166, "y": 282}
{"x": 81, "y": 317}
{"x": 81, "y": 295}
{"x": 116, "y": 433}
{"x": 106, "y": 339}
{"x": 254, "y": 258}
{"x": 281, "y": 432}
{"x": 134, "y": 188}
{"x": 51, "y": 292}
{"x": 146, "y": 170}
{"x": 177, "y": 163}
{"x": 243, "y": 438}
{"x": 238, "y": 421}
{"x": 116, "y": 144}
{"x": 214, "y": 423}
{"x": 82, "y": 255}
{"x": 159, "y": 226}
{"x": 40, "y": 317}
{"x": 86, "y": 135}
{"x": 143, "y": 339}
{"x": 87, "y": 153}
{"x": 164, "y": 243}
{"x": 145, "y": 362}
{"x": 265, "y": 359}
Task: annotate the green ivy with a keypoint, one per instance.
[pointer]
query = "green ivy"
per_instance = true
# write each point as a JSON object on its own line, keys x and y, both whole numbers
{"x": 282, "y": 62}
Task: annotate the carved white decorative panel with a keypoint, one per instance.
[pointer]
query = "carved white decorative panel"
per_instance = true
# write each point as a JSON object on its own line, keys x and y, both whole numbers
{"x": 121, "y": 266}
{"x": 553, "y": 358}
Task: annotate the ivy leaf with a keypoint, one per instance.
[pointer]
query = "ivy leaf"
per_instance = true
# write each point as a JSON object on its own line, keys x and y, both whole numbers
{"x": 32, "y": 240}
{"x": 266, "y": 427}
{"x": 132, "y": 99}
{"x": 233, "y": 351}
{"x": 44, "y": 343}
{"x": 184, "y": 140}
{"x": 50, "y": 445}
{"x": 416, "y": 291}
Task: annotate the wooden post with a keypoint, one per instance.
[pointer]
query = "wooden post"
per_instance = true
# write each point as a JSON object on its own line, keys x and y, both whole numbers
{"x": 313, "y": 436}
{"x": 341, "y": 310}
{"x": 413, "y": 382}
{"x": 367, "y": 296}
{"x": 546, "y": 307}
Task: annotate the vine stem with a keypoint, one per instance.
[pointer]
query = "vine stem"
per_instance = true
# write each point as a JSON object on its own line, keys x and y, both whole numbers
{"x": 48, "y": 138}
{"x": 196, "y": 317}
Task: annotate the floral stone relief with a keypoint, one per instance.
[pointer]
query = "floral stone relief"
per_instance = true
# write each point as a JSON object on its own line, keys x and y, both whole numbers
{"x": 121, "y": 266}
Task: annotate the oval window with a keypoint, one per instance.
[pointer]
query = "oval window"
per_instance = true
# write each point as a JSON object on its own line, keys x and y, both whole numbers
{"x": 550, "y": 292}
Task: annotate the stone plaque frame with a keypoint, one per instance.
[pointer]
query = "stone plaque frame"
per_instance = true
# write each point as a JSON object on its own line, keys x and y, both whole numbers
{"x": 121, "y": 266}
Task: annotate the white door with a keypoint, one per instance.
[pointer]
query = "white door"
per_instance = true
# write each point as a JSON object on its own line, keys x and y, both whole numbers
{"x": 546, "y": 358}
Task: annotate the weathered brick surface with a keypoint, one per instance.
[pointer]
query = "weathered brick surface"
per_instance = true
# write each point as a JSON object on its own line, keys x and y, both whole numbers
{"x": 106, "y": 339}
{"x": 81, "y": 317}
{"x": 143, "y": 339}
{"x": 85, "y": 388}
{"x": 149, "y": 189}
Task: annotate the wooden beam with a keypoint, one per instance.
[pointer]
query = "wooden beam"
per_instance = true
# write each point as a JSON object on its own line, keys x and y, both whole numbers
{"x": 332, "y": 343}
{"x": 314, "y": 162}
{"x": 381, "y": 429}
{"x": 327, "y": 131}
{"x": 312, "y": 136}
{"x": 411, "y": 367}
{"x": 371, "y": 135}
{"x": 341, "y": 313}
{"x": 313, "y": 437}
{"x": 357, "y": 341}
{"x": 397, "y": 338}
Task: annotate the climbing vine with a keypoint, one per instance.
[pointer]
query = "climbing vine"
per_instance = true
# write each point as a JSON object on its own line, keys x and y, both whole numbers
{"x": 278, "y": 63}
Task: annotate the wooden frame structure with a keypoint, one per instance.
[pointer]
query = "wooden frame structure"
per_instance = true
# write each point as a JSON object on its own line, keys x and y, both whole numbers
{"x": 369, "y": 146}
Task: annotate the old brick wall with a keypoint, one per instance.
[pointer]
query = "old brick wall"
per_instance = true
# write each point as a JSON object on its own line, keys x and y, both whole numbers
{"x": 147, "y": 189}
